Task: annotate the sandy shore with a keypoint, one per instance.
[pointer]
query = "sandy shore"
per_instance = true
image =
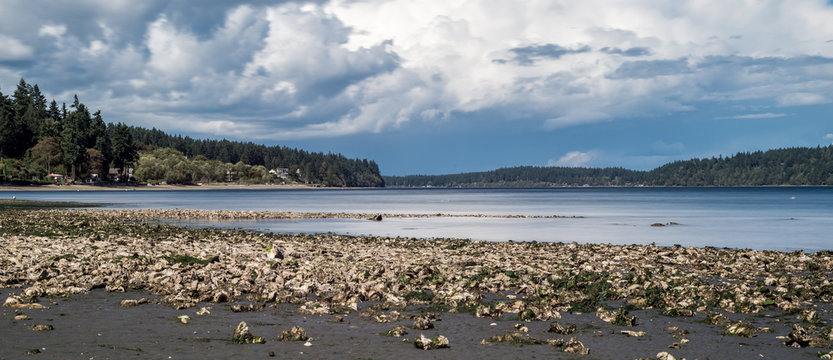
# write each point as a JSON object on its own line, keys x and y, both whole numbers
{"x": 154, "y": 187}
{"x": 72, "y": 269}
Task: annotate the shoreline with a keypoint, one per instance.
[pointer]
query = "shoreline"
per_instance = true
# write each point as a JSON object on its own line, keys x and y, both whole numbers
{"x": 714, "y": 298}
{"x": 84, "y": 187}
{"x": 81, "y": 187}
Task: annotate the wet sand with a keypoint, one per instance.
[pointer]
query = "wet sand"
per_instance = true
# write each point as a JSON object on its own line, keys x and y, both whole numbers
{"x": 78, "y": 262}
{"x": 95, "y": 326}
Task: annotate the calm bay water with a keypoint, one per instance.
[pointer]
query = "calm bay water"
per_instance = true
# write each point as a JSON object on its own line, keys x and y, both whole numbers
{"x": 780, "y": 218}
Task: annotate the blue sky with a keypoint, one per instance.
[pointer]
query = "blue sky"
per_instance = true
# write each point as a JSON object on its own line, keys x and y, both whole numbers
{"x": 435, "y": 87}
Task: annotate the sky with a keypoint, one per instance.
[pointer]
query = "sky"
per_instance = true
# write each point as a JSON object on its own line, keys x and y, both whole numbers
{"x": 433, "y": 87}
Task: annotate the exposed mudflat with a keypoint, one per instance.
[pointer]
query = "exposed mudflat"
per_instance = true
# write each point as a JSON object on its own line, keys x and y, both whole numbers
{"x": 72, "y": 270}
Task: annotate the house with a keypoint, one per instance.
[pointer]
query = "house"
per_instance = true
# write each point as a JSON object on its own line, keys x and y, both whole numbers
{"x": 117, "y": 172}
{"x": 92, "y": 179}
{"x": 55, "y": 177}
{"x": 282, "y": 173}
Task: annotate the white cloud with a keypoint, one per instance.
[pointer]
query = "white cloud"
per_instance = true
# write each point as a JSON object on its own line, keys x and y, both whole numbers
{"x": 341, "y": 67}
{"x": 828, "y": 136}
{"x": 52, "y": 30}
{"x": 753, "y": 116}
{"x": 573, "y": 159}
{"x": 13, "y": 49}
{"x": 801, "y": 98}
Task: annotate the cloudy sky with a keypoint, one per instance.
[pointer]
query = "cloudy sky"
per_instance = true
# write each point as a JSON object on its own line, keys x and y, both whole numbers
{"x": 444, "y": 86}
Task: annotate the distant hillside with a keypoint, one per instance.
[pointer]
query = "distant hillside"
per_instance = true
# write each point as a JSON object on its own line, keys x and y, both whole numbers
{"x": 792, "y": 166}
{"x": 315, "y": 168}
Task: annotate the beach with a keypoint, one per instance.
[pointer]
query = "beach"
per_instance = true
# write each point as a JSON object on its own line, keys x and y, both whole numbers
{"x": 115, "y": 283}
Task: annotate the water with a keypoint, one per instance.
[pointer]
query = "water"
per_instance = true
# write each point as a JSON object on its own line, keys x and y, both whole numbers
{"x": 779, "y": 218}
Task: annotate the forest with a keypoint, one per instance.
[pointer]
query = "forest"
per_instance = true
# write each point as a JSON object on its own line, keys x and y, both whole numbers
{"x": 791, "y": 166}
{"x": 40, "y": 138}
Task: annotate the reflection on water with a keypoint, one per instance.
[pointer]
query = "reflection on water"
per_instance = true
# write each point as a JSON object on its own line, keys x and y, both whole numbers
{"x": 754, "y": 233}
{"x": 782, "y": 218}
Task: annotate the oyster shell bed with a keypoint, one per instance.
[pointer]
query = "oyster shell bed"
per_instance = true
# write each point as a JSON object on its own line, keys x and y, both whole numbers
{"x": 228, "y": 215}
{"x": 64, "y": 252}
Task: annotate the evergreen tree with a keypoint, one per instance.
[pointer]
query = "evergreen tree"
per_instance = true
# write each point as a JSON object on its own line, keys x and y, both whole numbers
{"x": 22, "y": 98}
{"x": 124, "y": 153}
{"x": 75, "y": 137}
{"x": 98, "y": 130}
{"x": 52, "y": 126}
{"x": 15, "y": 136}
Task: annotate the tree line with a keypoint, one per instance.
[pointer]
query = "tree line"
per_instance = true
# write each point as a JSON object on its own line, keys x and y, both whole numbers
{"x": 790, "y": 166}
{"x": 39, "y": 137}
{"x": 307, "y": 167}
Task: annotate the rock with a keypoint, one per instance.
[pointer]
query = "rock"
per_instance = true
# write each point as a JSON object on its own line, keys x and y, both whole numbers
{"x": 272, "y": 252}
{"x": 717, "y": 319}
{"x": 425, "y": 343}
{"x": 633, "y": 333}
{"x": 798, "y": 337}
{"x": 16, "y": 302}
{"x": 561, "y": 329}
{"x": 576, "y": 347}
{"x": 556, "y": 342}
{"x": 422, "y": 323}
{"x": 205, "y": 310}
{"x": 521, "y": 328}
{"x": 184, "y": 319}
{"x": 314, "y": 308}
{"x": 740, "y": 329}
{"x": 297, "y": 333}
{"x": 33, "y": 292}
{"x": 377, "y": 217}
{"x": 42, "y": 327}
{"x": 115, "y": 288}
{"x": 336, "y": 319}
{"x": 487, "y": 312}
{"x": 398, "y": 331}
{"x": 810, "y": 316}
{"x": 665, "y": 356}
{"x": 32, "y": 352}
{"x": 246, "y": 308}
{"x": 675, "y": 345}
{"x": 516, "y": 338}
{"x": 619, "y": 317}
{"x": 21, "y": 317}
{"x": 243, "y": 336}
{"x": 131, "y": 303}
{"x": 677, "y": 333}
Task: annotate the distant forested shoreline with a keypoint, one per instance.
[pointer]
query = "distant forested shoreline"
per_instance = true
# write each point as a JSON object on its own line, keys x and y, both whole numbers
{"x": 42, "y": 142}
{"x": 790, "y": 166}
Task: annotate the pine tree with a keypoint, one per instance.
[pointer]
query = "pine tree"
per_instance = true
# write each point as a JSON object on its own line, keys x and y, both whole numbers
{"x": 124, "y": 153}
{"x": 98, "y": 130}
{"x": 15, "y": 136}
{"x": 74, "y": 137}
